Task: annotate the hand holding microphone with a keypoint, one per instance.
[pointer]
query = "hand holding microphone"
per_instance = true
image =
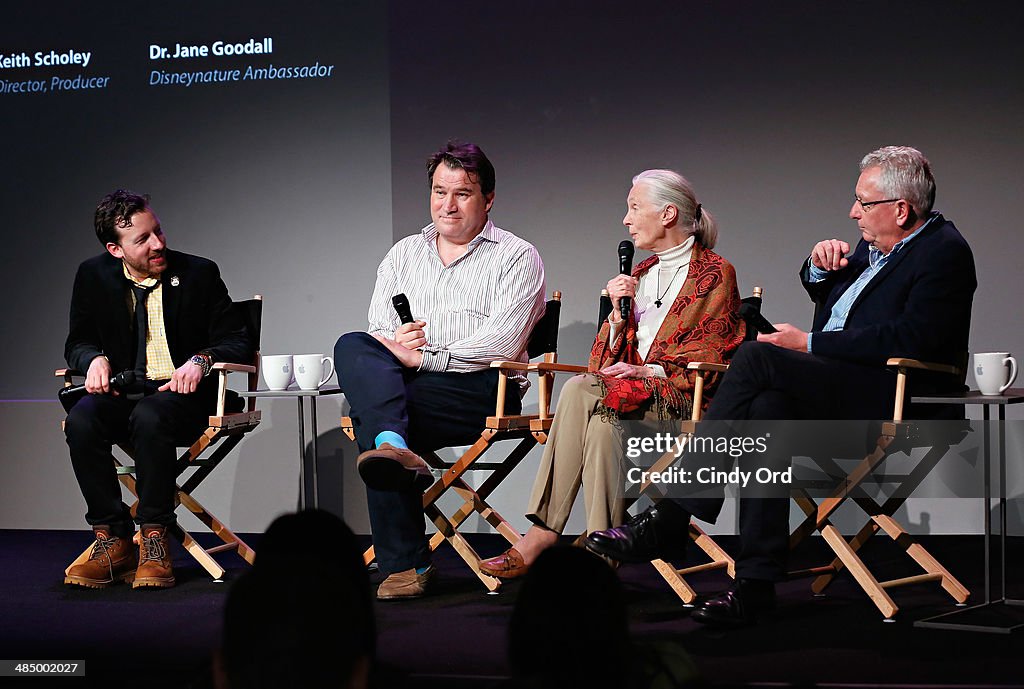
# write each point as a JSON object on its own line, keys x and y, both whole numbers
{"x": 626, "y": 251}
{"x": 410, "y": 334}
{"x": 70, "y": 395}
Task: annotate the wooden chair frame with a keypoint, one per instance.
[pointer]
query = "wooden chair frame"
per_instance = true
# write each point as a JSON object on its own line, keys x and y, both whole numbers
{"x": 818, "y": 513}
{"x": 226, "y": 429}
{"x": 717, "y": 558}
{"x": 527, "y": 429}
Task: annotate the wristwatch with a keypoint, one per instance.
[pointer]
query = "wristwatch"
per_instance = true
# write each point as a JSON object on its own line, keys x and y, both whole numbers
{"x": 203, "y": 361}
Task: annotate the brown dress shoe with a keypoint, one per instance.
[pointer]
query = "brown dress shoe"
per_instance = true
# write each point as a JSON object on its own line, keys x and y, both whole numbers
{"x": 404, "y": 585}
{"x": 154, "y": 559}
{"x": 393, "y": 468}
{"x": 112, "y": 560}
{"x": 508, "y": 565}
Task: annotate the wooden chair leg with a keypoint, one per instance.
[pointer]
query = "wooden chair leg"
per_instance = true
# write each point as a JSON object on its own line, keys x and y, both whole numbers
{"x": 198, "y": 553}
{"x": 859, "y": 571}
{"x": 922, "y": 557}
{"x": 229, "y": 537}
{"x": 462, "y": 547}
{"x": 473, "y": 500}
{"x": 676, "y": 577}
{"x": 880, "y": 518}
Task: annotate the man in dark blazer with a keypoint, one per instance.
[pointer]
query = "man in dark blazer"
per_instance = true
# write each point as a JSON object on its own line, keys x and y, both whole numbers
{"x": 905, "y": 291}
{"x": 167, "y": 317}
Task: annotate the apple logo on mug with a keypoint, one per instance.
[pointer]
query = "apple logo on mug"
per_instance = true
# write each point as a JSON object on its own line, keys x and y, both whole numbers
{"x": 301, "y": 369}
{"x": 979, "y": 371}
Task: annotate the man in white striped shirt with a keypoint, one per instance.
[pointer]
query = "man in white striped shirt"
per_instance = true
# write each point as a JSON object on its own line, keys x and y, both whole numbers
{"x": 476, "y": 292}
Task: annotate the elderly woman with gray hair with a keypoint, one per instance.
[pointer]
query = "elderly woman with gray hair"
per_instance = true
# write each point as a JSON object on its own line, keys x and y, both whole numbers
{"x": 684, "y": 305}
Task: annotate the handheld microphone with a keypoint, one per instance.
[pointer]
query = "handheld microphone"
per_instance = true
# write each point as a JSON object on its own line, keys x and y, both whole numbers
{"x": 401, "y": 304}
{"x": 70, "y": 395}
{"x": 752, "y": 315}
{"x": 626, "y": 250}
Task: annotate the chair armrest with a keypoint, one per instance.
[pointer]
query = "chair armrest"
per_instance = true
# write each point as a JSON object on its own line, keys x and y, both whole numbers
{"x": 707, "y": 366}
{"x": 540, "y": 367}
{"x": 922, "y": 365}
{"x": 902, "y": 364}
{"x": 68, "y": 374}
{"x": 241, "y": 368}
{"x": 510, "y": 365}
{"x": 223, "y": 368}
{"x": 702, "y": 367}
{"x": 543, "y": 367}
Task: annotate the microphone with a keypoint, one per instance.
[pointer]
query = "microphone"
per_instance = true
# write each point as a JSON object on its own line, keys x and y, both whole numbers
{"x": 625, "y": 268}
{"x": 70, "y": 395}
{"x": 401, "y": 304}
{"x": 752, "y": 315}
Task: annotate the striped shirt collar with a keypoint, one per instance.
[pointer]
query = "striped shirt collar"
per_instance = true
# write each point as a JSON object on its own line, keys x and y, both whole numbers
{"x": 489, "y": 233}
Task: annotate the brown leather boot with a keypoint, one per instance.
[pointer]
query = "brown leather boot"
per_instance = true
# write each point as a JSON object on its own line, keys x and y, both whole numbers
{"x": 112, "y": 560}
{"x": 154, "y": 559}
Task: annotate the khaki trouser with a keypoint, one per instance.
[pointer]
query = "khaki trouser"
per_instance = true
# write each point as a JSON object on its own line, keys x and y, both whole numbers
{"x": 585, "y": 449}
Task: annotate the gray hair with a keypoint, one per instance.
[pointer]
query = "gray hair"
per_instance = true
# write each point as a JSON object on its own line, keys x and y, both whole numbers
{"x": 668, "y": 187}
{"x": 905, "y": 174}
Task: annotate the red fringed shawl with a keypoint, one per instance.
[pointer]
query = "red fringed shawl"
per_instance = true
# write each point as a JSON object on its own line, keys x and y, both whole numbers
{"x": 703, "y": 324}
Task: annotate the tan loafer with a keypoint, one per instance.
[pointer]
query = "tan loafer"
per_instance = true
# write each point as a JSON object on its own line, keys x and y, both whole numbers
{"x": 393, "y": 469}
{"x": 508, "y": 565}
{"x": 405, "y": 585}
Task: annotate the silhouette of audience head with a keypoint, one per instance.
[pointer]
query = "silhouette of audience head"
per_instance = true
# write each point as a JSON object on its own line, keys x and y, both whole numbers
{"x": 569, "y": 625}
{"x": 303, "y": 616}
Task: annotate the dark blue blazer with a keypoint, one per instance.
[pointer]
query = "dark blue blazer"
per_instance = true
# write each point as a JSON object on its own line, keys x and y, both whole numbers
{"x": 918, "y": 305}
{"x": 198, "y": 315}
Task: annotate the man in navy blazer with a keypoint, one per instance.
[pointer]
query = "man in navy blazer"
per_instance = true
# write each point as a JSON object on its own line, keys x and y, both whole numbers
{"x": 186, "y": 323}
{"x": 906, "y": 290}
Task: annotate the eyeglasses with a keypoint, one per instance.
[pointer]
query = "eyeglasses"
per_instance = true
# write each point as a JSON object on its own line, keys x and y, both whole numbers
{"x": 866, "y": 205}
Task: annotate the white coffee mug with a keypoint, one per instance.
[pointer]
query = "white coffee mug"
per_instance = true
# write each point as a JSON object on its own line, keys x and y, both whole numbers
{"x": 277, "y": 370}
{"x": 994, "y": 372}
{"x": 310, "y": 371}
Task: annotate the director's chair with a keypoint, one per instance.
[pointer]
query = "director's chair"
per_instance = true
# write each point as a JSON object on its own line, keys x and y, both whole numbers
{"x": 528, "y": 429}
{"x": 840, "y": 485}
{"x": 896, "y": 436}
{"x": 230, "y": 423}
{"x": 717, "y": 558}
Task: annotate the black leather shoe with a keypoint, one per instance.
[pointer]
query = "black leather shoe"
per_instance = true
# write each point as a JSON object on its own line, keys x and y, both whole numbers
{"x": 657, "y": 532}
{"x": 741, "y": 605}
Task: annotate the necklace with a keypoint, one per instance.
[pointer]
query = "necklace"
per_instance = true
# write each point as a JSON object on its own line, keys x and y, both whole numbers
{"x": 661, "y": 295}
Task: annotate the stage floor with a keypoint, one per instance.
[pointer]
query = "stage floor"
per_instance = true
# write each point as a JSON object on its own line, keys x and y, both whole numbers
{"x": 456, "y": 636}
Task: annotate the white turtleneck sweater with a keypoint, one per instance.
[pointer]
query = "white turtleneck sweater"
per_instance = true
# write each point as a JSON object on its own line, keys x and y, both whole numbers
{"x": 661, "y": 283}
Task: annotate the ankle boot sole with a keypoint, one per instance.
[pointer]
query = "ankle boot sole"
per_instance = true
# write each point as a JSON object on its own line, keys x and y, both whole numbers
{"x": 154, "y": 583}
{"x": 85, "y": 582}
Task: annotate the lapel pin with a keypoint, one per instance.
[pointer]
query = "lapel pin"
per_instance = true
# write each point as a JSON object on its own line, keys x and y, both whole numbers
{"x": 175, "y": 281}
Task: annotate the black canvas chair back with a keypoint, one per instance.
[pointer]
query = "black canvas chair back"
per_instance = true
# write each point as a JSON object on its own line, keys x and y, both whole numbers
{"x": 544, "y": 338}
{"x": 251, "y": 313}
